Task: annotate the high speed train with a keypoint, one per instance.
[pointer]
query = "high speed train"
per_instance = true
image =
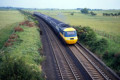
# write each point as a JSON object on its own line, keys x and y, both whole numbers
{"x": 66, "y": 32}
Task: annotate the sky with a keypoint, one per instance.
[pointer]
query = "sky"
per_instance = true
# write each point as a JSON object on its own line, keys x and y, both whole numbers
{"x": 62, "y": 4}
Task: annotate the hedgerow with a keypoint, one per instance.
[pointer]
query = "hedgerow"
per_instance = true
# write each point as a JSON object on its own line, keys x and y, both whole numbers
{"x": 88, "y": 37}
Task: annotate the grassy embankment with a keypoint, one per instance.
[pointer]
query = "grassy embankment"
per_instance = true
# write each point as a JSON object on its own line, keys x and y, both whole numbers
{"x": 105, "y": 42}
{"x": 22, "y": 60}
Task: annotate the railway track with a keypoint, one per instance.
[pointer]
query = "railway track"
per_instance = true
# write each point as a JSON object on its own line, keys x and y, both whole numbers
{"x": 104, "y": 70}
{"x": 66, "y": 67}
{"x": 91, "y": 66}
{"x": 86, "y": 63}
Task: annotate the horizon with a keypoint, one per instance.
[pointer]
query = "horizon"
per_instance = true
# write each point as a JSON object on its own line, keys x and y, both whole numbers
{"x": 54, "y": 8}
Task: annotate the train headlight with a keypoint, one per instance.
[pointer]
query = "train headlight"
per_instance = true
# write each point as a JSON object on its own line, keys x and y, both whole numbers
{"x": 68, "y": 38}
{"x": 75, "y": 38}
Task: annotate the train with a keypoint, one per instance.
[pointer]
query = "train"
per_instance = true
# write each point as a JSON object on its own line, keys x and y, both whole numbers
{"x": 67, "y": 33}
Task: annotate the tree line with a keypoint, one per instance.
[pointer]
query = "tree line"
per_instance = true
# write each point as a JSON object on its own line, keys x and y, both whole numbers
{"x": 86, "y": 11}
{"x": 111, "y": 14}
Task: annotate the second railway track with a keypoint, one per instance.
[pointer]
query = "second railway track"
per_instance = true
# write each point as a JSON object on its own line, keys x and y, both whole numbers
{"x": 102, "y": 68}
{"x": 93, "y": 66}
{"x": 87, "y": 63}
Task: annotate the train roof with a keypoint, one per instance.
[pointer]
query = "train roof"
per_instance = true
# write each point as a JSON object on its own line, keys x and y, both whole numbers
{"x": 62, "y": 26}
{"x": 69, "y": 29}
{"x": 66, "y": 28}
{"x": 56, "y": 21}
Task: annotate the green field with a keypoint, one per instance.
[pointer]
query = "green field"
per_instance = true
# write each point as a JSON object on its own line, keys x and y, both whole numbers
{"x": 8, "y": 20}
{"x": 9, "y": 17}
{"x": 107, "y": 24}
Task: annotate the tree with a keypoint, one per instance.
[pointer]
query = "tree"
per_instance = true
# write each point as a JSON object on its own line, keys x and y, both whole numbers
{"x": 118, "y": 13}
{"x": 84, "y": 11}
{"x": 92, "y": 13}
{"x": 72, "y": 13}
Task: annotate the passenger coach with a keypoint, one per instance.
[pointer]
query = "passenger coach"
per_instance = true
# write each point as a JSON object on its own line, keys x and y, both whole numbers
{"x": 67, "y": 33}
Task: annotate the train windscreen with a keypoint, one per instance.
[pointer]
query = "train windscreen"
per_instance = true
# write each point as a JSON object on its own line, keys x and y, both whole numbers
{"x": 70, "y": 34}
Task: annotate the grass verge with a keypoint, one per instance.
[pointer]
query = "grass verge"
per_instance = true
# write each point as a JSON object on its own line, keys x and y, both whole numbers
{"x": 22, "y": 60}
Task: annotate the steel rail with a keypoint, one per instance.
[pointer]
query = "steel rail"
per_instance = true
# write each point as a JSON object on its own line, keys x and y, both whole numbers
{"x": 106, "y": 71}
{"x": 54, "y": 55}
{"x": 96, "y": 67}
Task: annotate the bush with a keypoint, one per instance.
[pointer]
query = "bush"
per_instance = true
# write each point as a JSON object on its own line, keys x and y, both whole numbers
{"x": 93, "y": 14}
{"x": 27, "y": 23}
{"x": 7, "y": 44}
{"x": 72, "y": 13}
{"x": 11, "y": 40}
{"x": 116, "y": 62}
{"x": 107, "y": 55}
{"x": 112, "y": 60}
{"x": 13, "y": 36}
{"x": 36, "y": 22}
{"x": 88, "y": 37}
{"x": 84, "y": 11}
{"x": 100, "y": 45}
{"x": 17, "y": 69}
{"x": 19, "y": 29}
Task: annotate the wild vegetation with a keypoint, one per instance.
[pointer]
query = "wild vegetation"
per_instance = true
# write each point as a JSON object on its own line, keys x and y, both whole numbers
{"x": 21, "y": 58}
{"x": 85, "y": 11}
{"x": 111, "y": 14}
{"x": 88, "y": 37}
{"x": 92, "y": 13}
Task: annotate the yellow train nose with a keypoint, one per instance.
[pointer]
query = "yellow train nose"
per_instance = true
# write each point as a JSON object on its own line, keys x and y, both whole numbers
{"x": 71, "y": 40}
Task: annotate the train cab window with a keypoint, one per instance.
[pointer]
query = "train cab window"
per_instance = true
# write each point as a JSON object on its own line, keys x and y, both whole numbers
{"x": 70, "y": 34}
